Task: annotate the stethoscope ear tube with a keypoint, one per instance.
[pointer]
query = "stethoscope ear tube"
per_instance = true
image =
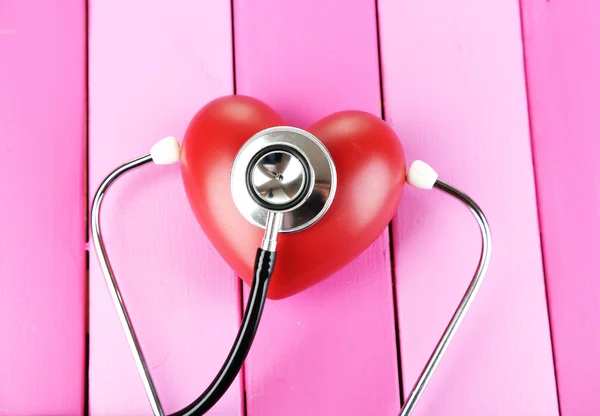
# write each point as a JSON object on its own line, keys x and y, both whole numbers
{"x": 112, "y": 285}
{"x": 263, "y": 270}
{"x": 425, "y": 178}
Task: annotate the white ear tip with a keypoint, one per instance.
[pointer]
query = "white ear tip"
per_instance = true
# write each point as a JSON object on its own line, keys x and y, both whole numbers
{"x": 421, "y": 175}
{"x": 166, "y": 151}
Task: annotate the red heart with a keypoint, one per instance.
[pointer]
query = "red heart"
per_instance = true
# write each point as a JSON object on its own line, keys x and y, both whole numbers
{"x": 371, "y": 171}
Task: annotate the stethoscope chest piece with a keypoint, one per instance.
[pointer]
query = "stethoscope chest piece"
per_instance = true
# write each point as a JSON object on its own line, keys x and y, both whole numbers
{"x": 286, "y": 170}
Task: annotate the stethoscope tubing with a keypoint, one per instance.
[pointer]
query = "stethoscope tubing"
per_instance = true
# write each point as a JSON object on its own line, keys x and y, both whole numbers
{"x": 263, "y": 268}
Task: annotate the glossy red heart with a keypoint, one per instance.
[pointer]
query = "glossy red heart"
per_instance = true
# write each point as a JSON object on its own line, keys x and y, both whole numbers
{"x": 371, "y": 170}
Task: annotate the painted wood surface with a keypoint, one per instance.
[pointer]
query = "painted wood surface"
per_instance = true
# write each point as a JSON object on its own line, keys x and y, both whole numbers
{"x": 454, "y": 90}
{"x": 562, "y": 50}
{"x": 330, "y": 350}
{"x": 152, "y": 66}
{"x": 42, "y": 226}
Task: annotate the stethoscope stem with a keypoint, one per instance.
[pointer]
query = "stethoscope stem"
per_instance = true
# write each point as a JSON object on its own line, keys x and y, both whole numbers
{"x": 459, "y": 314}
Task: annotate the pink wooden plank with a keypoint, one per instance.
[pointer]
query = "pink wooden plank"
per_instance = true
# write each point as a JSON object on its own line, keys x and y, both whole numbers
{"x": 152, "y": 66}
{"x": 330, "y": 350}
{"x": 42, "y": 225}
{"x": 454, "y": 90}
{"x": 562, "y": 50}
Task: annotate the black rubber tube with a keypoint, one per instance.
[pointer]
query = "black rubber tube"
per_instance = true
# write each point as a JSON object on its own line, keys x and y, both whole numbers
{"x": 263, "y": 269}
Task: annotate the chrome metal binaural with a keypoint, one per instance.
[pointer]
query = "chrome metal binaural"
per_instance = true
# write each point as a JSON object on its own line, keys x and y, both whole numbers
{"x": 459, "y": 314}
{"x": 113, "y": 287}
{"x": 278, "y": 177}
{"x": 320, "y": 173}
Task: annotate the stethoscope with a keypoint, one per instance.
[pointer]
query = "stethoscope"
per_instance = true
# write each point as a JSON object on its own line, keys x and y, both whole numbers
{"x": 283, "y": 180}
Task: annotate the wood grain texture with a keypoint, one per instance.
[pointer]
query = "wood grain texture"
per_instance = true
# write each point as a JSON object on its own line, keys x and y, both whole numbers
{"x": 42, "y": 231}
{"x": 42, "y": 225}
{"x": 454, "y": 90}
{"x": 152, "y": 65}
{"x": 562, "y": 54}
{"x": 330, "y": 350}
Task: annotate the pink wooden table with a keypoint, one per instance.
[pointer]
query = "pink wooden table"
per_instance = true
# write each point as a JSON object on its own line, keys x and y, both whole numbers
{"x": 501, "y": 97}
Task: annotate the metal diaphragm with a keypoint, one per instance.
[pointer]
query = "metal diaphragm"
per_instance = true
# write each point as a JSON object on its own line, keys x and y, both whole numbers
{"x": 283, "y": 169}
